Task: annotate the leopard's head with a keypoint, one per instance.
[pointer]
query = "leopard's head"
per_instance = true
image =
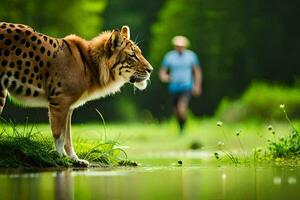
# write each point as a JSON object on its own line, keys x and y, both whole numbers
{"x": 124, "y": 60}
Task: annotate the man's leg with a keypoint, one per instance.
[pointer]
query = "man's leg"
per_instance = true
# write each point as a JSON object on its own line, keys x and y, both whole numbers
{"x": 182, "y": 108}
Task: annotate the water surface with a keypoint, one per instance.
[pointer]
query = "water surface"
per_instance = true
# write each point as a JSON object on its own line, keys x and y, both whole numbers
{"x": 155, "y": 179}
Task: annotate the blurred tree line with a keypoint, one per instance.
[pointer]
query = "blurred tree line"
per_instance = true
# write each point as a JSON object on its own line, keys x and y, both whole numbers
{"x": 237, "y": 42}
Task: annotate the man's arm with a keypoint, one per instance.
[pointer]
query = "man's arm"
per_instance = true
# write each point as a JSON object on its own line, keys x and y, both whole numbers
{"x": 197, "y": 88}
{"x": 163, "y": 75}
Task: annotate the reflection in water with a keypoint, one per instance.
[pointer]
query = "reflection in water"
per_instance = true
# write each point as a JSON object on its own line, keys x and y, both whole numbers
{"x": 292, "y": 180}
{"x": 64, "y": 188}
{"x": 167, "y": 182}
{"x": 223, "y": 177}
{"x": 277, "y": 180}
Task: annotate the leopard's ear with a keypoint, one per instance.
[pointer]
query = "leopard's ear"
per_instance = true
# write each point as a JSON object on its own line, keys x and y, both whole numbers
{"x": 125, "y": 31}
{"x": 114, "y": 41}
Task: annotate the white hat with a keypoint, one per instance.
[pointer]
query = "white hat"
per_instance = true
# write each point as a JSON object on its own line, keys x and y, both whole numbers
{"x": 180, "y": 41}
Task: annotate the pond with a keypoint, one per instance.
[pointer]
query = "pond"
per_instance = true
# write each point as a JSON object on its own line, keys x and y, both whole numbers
{"x": 159, "y": 178}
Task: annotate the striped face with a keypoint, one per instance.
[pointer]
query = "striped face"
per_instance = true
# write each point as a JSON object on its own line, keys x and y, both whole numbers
{"x": 132, "y": 66}
{"x": 129, "y": 63}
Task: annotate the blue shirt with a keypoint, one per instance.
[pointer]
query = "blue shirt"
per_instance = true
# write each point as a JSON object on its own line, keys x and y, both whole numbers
{"x": 181, "y": 67}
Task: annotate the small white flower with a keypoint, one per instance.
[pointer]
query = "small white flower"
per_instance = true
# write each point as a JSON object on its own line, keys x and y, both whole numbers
{"x": 219, "y": 123}
{"x": 282, "y": 106}
{"x": 220, "y": 144}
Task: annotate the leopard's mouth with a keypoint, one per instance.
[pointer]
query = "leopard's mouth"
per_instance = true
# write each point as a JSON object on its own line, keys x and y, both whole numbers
{"x": 139, "y": 80}
{"x": 136, "y": 79}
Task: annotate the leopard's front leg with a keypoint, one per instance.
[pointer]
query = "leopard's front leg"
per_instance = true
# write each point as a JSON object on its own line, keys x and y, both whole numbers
{"x": 60, "y": 120}
{"x": 68, "y": 143}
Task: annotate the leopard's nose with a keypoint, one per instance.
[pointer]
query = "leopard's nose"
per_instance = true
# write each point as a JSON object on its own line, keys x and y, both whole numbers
{"x": 149, "y": 70}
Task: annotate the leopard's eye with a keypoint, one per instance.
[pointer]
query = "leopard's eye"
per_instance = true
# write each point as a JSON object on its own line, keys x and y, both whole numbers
{"x": 132, "y": 56}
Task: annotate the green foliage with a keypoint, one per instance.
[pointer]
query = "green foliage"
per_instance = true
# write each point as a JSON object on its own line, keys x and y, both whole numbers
{"x": 57, "y": 17}
{"x": 286, "y": 147}
{"x": 261, "y": 101}
{"x": 104, "y": 154}
{"x": 283, "y": 150}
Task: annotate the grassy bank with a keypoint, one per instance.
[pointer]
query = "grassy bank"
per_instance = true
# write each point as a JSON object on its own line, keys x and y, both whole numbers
{"x": 251, "y": 141}
{"x": 26, "y": 146}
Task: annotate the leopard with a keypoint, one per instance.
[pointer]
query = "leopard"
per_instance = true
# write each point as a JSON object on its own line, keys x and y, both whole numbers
{"x": 61, "y": 74}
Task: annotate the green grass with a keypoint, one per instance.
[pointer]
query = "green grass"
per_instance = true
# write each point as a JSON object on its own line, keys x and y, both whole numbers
{"x": 236, "y": 143}
{"x": 241, "y": 140}
{"x": 26, "y": 146}
{"x": 286, "y": 148}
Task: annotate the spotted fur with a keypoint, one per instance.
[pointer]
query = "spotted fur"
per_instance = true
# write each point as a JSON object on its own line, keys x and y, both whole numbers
{"x": 62, "y": 74}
